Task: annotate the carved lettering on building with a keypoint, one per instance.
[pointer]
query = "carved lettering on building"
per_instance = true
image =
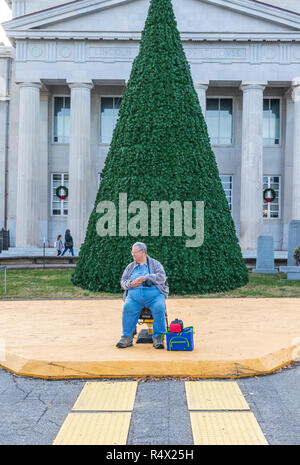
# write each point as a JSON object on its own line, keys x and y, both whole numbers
{"x": 112, "y": 52}
{"x": 81, "y": 51}
{"x": 222, "y": 53}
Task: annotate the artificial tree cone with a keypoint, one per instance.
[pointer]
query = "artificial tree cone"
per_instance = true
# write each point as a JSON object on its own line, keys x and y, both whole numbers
{"x": 160, "y": 150}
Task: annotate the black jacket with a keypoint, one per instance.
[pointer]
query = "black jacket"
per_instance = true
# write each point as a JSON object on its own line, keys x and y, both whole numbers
{"x": 68, "y": 240}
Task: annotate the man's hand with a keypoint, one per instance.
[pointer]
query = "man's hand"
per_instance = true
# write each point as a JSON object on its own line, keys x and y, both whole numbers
{"x": 138, "y": 281}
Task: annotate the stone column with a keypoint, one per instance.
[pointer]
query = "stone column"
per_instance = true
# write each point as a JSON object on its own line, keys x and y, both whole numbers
{"x": 201, "y": 88}
{"x": 80, "y": 162}
{"x": 3, "y": 110}
{"x": 251, "y": 208}
{"x": 288, "y": 166}
{"x": 43, "y": 169}
{"x": 295, "y": 180}
{"x": 27, "y": 221}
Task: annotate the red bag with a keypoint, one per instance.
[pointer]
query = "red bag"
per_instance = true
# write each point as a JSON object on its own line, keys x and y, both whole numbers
{"x": 176, "y": 326}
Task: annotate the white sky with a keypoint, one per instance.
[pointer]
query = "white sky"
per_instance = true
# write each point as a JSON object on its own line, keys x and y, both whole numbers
{"x": 5, "y": 15}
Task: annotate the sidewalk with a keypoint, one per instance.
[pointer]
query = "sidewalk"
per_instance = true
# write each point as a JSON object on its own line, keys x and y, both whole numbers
{"x": 51, "y": 252}
{"x": 34, "y": 252}
{"x": 76, "y": 339}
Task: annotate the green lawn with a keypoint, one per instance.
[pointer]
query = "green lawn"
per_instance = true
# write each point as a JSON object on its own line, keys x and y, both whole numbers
{"x": 28, "y": 284}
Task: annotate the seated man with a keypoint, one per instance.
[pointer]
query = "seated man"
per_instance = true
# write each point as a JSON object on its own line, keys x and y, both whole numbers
{"x": 144, "y": 282}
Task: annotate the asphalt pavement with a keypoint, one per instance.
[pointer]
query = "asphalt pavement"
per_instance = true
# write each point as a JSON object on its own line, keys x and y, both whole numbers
{"x": 32, "y": 410}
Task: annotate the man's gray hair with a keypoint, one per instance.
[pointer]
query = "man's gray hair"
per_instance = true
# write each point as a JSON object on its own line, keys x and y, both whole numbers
{"x": 141, "y": 246}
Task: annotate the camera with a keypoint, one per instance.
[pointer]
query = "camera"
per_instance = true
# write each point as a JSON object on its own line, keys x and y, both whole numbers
{"x": 147, "y": 283}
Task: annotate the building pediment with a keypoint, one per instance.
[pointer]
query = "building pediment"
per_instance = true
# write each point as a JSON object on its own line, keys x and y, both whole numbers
{"x": 125, "y": 19}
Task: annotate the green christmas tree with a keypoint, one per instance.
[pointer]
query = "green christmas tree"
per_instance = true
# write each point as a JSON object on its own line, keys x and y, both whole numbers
{"x": 160, "y": 151}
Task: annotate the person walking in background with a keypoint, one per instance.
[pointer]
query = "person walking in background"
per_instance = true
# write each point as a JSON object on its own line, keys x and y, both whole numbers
{"x": 68, "y": 243}
{"x": 59, "y": 245}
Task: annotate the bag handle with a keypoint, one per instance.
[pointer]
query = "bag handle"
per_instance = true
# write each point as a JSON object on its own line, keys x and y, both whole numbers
{"x": 179, "y": 342}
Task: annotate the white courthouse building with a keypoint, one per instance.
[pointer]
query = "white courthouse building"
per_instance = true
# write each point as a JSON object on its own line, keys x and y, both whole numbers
{"x": 62, "y": 81}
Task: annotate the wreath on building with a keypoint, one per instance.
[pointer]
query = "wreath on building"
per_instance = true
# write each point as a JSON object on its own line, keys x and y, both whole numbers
{"x": 267, "y": 193}
{"x": 62, "y": 192}
{"x": 297, "y": 255}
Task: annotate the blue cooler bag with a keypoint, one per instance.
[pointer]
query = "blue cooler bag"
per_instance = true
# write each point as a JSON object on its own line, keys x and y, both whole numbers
{"x": 181, "y": 341}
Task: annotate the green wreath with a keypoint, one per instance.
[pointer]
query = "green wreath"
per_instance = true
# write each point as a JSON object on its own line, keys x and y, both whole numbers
{"x": 297, "y": 253}
{"x": 62, "y": 196}
{"x": 273, "y": 193}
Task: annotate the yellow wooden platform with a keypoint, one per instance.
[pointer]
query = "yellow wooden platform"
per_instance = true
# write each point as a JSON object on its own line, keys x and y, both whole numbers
{"x": 76, "y": 339}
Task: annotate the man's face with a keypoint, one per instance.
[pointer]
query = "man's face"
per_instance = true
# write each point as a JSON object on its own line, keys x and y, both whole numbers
{"x": 138, "y": 255}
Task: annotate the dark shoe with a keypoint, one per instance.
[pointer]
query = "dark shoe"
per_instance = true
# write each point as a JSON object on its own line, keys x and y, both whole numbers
{"x": 158, "y": 342}
{"x": 124, "y": 342}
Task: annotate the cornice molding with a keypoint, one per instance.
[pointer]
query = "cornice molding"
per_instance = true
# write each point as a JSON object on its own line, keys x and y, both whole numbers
{"x": 293, "y": 36}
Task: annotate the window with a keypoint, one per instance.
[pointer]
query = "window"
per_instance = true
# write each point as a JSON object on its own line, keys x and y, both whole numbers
{"x": 227, "y": 186}
{"x": 61, "y": 122}
{"x": 59, "y": 207}
{"x": 272, "y": 209}
{"x": 271, "y": 121}
{"x": 219, "y": 120}
{"x": 108, "y": 117}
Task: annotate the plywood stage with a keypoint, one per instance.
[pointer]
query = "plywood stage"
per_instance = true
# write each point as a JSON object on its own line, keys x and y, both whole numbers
{"x": 76, "y": 339}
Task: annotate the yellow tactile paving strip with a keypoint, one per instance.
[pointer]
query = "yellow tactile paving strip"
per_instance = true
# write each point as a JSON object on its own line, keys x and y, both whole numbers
{"x": 232, "y": 426}
{"x": 94, "y": 429}
{"x": 213, "y": 395}
{"x": 118, "y": 396}
{"x": 115, "y": 400}
{"x": 226, "y": 428}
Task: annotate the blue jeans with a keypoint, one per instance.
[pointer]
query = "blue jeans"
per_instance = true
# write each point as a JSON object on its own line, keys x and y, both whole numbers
{"x": 136, "y": 300}
{"x": 68, "y": 248}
